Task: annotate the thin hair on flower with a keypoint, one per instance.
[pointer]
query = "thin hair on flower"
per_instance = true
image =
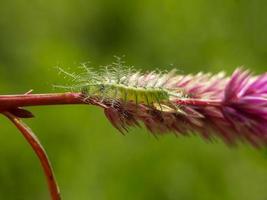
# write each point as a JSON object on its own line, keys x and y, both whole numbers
{"x": 232, "y": 108}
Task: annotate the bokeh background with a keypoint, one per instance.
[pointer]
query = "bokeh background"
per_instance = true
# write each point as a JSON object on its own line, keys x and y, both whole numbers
{"x": 90, "y": 158}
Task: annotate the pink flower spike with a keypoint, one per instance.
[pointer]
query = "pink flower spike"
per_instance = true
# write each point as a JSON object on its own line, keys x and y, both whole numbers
{"x": 234, "y": 109}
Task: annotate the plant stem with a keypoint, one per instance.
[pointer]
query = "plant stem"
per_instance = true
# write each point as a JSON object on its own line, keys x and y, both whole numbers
{"x": 11, "y": 102}
{"x": 40, "y": 152}
{"x": 14, "y": 101}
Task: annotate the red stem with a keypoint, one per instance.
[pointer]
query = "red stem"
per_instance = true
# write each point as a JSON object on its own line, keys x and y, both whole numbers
{"x": 14, "y": 101}
{"x": 9, "y": 102}
{"x": 40, "y": 152}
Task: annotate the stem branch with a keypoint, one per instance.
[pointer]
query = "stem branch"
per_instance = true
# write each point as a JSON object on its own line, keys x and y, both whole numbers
{"x": 40, "y": 152}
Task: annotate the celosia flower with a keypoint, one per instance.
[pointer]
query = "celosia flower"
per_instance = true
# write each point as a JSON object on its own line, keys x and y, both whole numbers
{"x": 232, "y": 108}
{"x": 213, "y": 105}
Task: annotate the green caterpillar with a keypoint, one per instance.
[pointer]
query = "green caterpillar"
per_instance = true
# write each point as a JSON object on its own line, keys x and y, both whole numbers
{"x": 116, "y": 83}
{"x": 137, "y": 95}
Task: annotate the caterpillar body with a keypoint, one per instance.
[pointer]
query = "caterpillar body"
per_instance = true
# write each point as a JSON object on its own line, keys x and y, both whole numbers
{"x": 122, "y": 84}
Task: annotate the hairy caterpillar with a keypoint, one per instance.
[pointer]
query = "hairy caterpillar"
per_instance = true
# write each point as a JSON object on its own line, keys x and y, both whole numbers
{"x": 117, "y": 82}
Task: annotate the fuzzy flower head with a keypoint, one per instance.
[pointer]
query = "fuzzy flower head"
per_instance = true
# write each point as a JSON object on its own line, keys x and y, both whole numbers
{"x": 213, "y": 105}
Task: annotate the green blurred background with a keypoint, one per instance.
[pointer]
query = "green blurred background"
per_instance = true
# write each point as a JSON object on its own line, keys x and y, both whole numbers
{"x": 90, "y": 158}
